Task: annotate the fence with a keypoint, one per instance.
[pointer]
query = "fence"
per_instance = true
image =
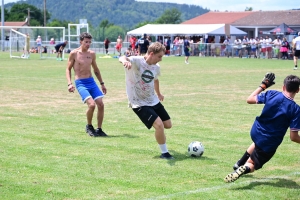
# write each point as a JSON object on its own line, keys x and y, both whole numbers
{"x": 197, "y": 49}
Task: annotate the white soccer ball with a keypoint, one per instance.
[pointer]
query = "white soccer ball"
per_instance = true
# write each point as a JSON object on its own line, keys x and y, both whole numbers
{"x": 195, "y": 149}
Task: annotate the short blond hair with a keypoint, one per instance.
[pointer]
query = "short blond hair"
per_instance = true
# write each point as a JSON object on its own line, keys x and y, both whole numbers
{"x": 156, "y": 47}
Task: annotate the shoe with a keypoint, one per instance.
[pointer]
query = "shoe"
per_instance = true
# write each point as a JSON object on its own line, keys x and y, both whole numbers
{"x": 186, "y": 62}
{"x": 167, "y": 156}
{"x": 61, "y": 59}
{"x": 100, "y": 133}
{"x": 89, "y": 129}
{"x": 235, "y": 175}
{"x": 295, "y": 68}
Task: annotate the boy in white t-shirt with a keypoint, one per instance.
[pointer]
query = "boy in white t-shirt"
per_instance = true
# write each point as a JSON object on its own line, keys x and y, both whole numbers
{"x": 141, "y": 85}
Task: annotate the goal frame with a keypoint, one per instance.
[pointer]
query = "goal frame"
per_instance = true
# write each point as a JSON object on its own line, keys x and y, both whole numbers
{"x": 36, "y": 27}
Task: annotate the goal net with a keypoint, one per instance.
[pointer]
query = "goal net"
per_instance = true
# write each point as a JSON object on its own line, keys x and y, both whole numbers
{"x": 39, "y": 41}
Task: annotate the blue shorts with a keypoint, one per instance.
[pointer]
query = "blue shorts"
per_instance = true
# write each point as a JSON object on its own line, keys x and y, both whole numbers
{"x": 87, "y": 88}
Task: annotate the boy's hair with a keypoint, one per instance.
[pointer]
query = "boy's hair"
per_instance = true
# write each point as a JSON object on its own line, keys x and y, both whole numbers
{"x": 292, "y": 83}
{"x": 156, "y": 47}
{"x": 85, "y": 35}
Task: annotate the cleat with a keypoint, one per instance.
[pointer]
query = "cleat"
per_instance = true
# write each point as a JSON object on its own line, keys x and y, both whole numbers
{"x": 295, "y": 68}
{"x": 100, "y": 133}
{"x": 167, "y": 156}
{"x": 235, "y": 175}
{"x": 89, "y": 129}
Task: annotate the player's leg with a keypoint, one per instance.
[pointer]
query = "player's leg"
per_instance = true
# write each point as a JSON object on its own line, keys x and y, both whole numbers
{"x": 245, "y": 157}
{"x": 100, "y": 116}
{"x": 89, "y": 116}
{"x": 296, "y": 55}
{"x": 97, "y": 95}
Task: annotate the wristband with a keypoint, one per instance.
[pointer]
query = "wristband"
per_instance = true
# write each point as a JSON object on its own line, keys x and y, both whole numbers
{"x": 69, "y": 84}
{"x": 262, "y": 88}
{"x": 102, "y": 83}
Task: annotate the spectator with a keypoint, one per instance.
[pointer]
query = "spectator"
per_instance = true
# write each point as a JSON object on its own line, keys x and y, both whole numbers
{"x": 284, "y": 49}
{"x": 39, "y": 43}
{"x": 176, "y": 45}
{"x": 228, "y": 47}
{"x": 238, "y": 46}
{"x": 277, "y": 44}
{"x": 106, "y": 45}
{"x": 143, "y": 45}
{"x": 268, "y": 47}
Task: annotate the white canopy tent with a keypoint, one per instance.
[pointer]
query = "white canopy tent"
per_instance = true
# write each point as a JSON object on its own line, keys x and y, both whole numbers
{"x": 187, "y": 29}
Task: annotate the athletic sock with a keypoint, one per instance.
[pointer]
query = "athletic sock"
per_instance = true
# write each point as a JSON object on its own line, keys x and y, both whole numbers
{"x": 163, "y": 148}
{"x": 244, "y": 159}
{"x": 248, "y": 170}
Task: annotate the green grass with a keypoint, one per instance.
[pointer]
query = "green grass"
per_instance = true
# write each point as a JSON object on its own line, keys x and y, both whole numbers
{"x": 45, "y": 153}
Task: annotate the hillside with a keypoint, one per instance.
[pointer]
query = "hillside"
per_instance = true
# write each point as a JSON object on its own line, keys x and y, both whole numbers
{"x": 125, "y": 13}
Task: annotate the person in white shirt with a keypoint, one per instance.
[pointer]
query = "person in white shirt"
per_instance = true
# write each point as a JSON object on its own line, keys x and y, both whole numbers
{"x": 269, "y": 47}
{"x": 238, "y": 44}
{"x": 263, "y": 49}
{"x": 142, "y": 87}
{"x": 246, "y": 47}
{"x": 253, "y": 46}
{"x": 277, "y": 43}
{"x": 228, "y": 47}
{"x": 296, "y": 47}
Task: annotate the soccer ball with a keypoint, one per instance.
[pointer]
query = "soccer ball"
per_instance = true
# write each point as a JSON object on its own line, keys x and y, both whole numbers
{"x": 195, "y": 149}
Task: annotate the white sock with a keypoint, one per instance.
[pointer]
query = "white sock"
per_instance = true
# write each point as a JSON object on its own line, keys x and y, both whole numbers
{"x": 163, "y": 148}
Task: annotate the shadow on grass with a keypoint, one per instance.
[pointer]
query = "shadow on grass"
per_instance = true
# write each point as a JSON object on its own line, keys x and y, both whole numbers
{"x": 280, "y": 182}
{"x": 117, "y": 136}
{"x": 182, "y": 156}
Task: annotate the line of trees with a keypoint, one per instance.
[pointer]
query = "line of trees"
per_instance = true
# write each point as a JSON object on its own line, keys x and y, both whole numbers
{"x": 105, "y": 29}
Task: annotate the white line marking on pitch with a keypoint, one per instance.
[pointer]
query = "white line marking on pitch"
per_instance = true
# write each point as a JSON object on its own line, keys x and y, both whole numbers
{"x": 228, "y": 185}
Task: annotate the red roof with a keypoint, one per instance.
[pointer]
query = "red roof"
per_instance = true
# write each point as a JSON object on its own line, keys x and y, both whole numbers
{"x": 218, "y": 17}
{"x": 15, "y": 23}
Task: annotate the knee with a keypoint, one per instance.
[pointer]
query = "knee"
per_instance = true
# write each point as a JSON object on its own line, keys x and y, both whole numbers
{"x": 91, "y": 106}
{"x": 167, "y": 124}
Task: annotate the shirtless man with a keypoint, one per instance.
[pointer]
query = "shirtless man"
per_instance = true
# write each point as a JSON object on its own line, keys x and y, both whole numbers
{"x": 119, "y": 45}
{"x": 81, "y": 60}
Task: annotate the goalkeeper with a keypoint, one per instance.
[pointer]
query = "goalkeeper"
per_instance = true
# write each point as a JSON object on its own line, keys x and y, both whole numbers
{"x": 59, "y": 49}
{"x": 279, "y": 113}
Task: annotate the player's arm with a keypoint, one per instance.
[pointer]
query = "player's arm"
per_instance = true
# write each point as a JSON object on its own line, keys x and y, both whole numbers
{"x": 295, "y": 136}
{"x": 97, "y": 72}
{"x": 267, "y": 82}
{"x": 156, "y": 88}
{"x": 125, "y": 61}
{"x": 70, "y": 65}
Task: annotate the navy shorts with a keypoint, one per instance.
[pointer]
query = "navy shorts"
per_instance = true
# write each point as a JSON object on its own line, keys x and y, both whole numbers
{"x": 260, "y": 157}
{"x": 87, "y": 88}
{"x": 187, "y": 53}
{"x": 148, "y": 114}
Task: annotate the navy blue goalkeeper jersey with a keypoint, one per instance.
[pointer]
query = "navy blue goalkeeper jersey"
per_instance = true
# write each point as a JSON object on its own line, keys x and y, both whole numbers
{"x": 279, "y": 113}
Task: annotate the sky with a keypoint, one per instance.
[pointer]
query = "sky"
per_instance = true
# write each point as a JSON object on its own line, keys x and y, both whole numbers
{"x": 230, "y": 5}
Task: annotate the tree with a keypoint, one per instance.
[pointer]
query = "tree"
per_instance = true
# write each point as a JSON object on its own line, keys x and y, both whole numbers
{"x": 249, "y": 9}
{"x": 170, "y": 16}
{"x": 105, "y": 24}
{"x": 5, "y": 13}
{"x": 19, "y": 12}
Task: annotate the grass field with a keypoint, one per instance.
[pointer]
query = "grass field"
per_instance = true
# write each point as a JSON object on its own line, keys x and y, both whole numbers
{"x": 46, "y": 154}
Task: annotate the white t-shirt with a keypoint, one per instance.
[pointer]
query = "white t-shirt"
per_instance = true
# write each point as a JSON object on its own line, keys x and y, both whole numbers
{"x": 238, "y": 42}
{"x": 140, "y": 82}
{"x": 253, "y": 43}
{"x": 297, "y": 42}
{"x": 263, "y": 43}
{"x": 268, "y": 42}
{"x": 277, "y": 43}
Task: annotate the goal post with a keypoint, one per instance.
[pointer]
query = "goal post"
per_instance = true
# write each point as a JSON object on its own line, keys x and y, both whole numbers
{"x": 50, "y": 36}
{"x": 18, "y": 45}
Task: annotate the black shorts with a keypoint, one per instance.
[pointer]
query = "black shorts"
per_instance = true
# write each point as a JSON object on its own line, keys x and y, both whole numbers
{"x": 297, "y": 53}
{"x": 57, "y": 50}
{"x": 260, "y": 157}
{"x": 148, "y": 114}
